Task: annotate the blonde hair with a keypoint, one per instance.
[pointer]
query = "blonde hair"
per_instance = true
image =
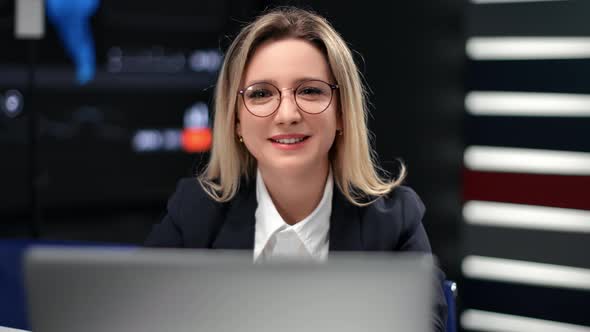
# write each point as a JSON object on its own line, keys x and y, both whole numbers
{"x": 356, "y": 172}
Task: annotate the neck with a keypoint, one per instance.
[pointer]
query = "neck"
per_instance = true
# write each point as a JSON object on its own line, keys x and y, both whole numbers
{"x": 296, "y": 195}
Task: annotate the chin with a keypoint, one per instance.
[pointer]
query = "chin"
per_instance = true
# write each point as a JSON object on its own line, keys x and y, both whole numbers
{"x": 290, "y": 165}
{"x": 293, "y": 166}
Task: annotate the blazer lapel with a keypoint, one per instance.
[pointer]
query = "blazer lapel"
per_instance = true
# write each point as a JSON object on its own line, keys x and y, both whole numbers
{"x": 237, "y": 232}
{"x": 345, "y": 224}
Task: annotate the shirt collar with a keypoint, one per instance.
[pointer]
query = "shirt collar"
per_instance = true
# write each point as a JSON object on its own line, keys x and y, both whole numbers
{"x": 312, "y": 230}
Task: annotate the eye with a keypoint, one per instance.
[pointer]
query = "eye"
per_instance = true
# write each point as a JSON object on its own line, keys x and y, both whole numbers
{"x": 258, "y": 94}
{"x": 310, "y": 90}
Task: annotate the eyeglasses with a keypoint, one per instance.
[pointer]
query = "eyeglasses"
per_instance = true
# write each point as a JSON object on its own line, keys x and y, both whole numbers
{"x": 311, "y": 96}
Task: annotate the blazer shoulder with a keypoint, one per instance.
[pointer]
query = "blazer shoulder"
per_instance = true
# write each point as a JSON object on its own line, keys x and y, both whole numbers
{"x": 394, "y": 221}
{"x": 192, "y": 217}
{"x": 190, "y": 186}
{"x": 401, "y": 200}
{"x": 191, "y": 203}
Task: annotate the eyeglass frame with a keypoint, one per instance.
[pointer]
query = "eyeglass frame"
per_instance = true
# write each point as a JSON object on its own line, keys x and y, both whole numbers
{"x": 332, "y": 88}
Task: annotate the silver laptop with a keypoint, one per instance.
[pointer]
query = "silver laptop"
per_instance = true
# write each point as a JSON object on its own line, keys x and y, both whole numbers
{"x": 174, "y": 290}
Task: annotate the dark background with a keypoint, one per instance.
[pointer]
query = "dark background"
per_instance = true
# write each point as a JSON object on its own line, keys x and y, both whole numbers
{"x": 91, "y": 184}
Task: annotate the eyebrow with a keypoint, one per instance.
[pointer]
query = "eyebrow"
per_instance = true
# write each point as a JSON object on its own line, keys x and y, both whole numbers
{"x": 295, "y": 82}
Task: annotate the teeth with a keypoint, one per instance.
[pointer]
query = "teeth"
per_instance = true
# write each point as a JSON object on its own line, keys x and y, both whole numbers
{"x": 289, "y": 140}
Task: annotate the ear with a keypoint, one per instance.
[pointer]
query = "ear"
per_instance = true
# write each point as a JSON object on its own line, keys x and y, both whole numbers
{"x": 339, "y": 121}
{"x": 238, "y": 127}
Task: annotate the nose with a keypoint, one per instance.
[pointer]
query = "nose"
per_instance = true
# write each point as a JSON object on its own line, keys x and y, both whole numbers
{"x": 288, "y": 111}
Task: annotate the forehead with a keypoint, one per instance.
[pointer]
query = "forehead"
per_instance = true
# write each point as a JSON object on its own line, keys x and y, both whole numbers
{"x": 285, "y": 61}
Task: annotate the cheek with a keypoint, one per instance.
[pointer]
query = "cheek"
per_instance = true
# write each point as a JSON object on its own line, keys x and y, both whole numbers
{"x": 329, "y": 139}
{"x": 331, "y": 121}
{"x": 245, "y": 123}
{"x": 251, "y": 127}
{"x": 327, "y": 128}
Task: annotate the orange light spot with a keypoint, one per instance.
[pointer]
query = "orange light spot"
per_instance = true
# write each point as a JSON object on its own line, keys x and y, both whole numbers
{"x": 196, "y": 140}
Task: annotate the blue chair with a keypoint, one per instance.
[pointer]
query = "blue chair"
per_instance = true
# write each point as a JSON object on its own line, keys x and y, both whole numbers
{"x": 450, "y": 290}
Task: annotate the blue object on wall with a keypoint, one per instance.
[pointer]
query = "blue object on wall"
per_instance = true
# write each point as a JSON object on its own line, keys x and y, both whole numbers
{"x": 71, "y": 20}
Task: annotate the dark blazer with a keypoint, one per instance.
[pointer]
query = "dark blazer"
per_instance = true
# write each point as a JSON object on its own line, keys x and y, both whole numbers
{"x": 392, "y": 223}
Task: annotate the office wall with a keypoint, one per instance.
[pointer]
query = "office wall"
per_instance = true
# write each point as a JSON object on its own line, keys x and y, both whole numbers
{"x": 526, "y": 166}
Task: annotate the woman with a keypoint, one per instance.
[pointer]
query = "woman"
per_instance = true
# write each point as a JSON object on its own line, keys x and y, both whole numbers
{"x": 291, "y": 171}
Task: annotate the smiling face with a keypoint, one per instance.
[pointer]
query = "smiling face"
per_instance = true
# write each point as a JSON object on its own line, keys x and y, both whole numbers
{"x": 289, "y": 141}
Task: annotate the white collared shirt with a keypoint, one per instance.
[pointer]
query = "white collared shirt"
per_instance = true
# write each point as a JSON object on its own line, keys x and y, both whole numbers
{"x": 306, "y": 240}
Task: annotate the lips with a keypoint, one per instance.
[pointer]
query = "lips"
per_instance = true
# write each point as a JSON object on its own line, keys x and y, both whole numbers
{"x": 288, "y": 138}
